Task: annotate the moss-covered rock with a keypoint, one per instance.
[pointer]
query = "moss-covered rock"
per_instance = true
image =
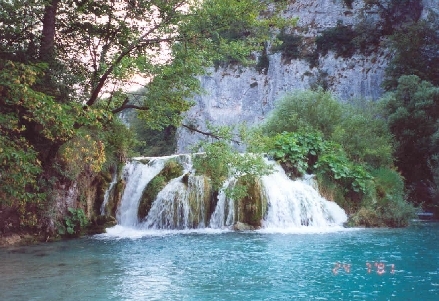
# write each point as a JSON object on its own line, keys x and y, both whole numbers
{"x": 243, "y": 227}
{"x": 149, "y": 195}
{"x": 171, "y": 170}
{"x": 200, "y": 192}
{"x": 144, "y": 161}
{"x": 114, "y": 198}
{"x": 99, "y": 223}
{"x": 251, "y": 208}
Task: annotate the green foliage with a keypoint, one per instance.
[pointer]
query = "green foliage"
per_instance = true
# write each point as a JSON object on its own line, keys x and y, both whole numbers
{"x": 290, "y": 45}
{"x": 356, "y": 126}
{"x": 389, "y": 184}
{"x": 335, "y": 163}
{"x": 364, "y": 134}
{"x": 221, "y": 161}
{"x": 304, "y": 111}
{"x": 412, "y": 112}
{"x": 119, "y": 143}
{"x": 74, "y": 223}
{"x": 389, "y": 206}
{"x": 152, "y": 142}
{"x": 298, "y": 151}
{"x": 170, "y": 171}
{"x": 23, "y": 45}
{"x": 54, "y": 127}
{"x": 345, "y": 156}
{"x": 309, "y": 153}
{"x": 338, "y": 39}
{"x": 416, "y": 52}
{"x": 368, "y": 37}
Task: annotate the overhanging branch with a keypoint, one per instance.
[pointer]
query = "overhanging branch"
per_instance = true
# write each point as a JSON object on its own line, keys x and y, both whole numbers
{"x": 209, "y": 134}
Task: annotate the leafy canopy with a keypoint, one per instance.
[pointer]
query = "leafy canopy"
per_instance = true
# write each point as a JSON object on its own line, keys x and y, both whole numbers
{"x": 220, "y": 161}
{"x": 356, "y": 126}
{"x": 67, "y": 68}
{"x": 412, "y": 111}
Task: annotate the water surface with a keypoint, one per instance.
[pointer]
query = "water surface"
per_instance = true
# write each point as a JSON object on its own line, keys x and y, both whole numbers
{"x": 217, "y": 265}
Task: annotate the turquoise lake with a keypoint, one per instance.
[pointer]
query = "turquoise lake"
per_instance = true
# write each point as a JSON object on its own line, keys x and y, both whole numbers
{"x": 217, "y": 265}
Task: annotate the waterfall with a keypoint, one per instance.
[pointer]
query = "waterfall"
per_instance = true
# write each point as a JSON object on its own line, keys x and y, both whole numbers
{"x": 178, "y": 206}
{"x": 224, "y": 214}
{"x": 186, "y": 201}
{"x": 108, "y": 193}
{"x": 293, "y": 204}
{"x": 137, "y": 176}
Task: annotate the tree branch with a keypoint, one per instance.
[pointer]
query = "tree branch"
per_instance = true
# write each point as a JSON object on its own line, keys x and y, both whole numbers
{"x": 123, "y": 107}
{"x": 127, "y": 51}
{"x": 209, "y": 134}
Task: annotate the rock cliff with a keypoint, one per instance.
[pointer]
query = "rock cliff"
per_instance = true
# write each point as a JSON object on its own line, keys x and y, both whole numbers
{"x": 236, "y": 94}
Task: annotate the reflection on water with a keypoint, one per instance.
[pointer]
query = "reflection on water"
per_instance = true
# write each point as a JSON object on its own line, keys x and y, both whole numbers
{"x": 219, "y": 265}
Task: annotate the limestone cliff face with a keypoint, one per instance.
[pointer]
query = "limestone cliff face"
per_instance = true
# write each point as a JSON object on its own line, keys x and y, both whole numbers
{"x": 236, "y": 94}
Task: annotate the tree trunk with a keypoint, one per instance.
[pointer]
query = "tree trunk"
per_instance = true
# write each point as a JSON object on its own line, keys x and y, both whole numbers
{"x": 48, "y": 33}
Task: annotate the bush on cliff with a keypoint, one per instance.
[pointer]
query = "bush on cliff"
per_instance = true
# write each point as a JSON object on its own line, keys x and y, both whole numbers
{"x": 348, "y": 146}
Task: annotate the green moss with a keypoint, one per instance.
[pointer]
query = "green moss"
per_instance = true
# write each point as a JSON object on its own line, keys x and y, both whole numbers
{"x": 144, "y": 161}
{"x": 171, "y": 170}
{"x": 199, "y": 202}
{"x": 290, "y": 46}
{"x": 99, "y": 223}
{"x": 366, "y": 217}
{"x": 149, "y": 195}
{"x": 115, "y": 198}
{"x": 338, "y": 39}
{"x": 101, "y": 186}
{"x": 252, "y": 207}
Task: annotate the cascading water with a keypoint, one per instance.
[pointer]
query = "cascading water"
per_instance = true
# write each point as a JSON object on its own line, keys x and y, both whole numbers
{"x": 224, "y": 214}
{"x": 293, "y": 204}
{"x": 185, "y": 202}
{"x": 108, "y": 193}
{"x": 137, "y": 176}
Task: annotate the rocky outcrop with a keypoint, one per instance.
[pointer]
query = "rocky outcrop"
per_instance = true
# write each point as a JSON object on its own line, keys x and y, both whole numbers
{"x": 235, "y": 94}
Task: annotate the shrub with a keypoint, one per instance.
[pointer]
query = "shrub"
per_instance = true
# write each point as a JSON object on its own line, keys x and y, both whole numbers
{"x": 364, "y": 134}
{"x": 412, "y": 112}
{"x": 290, "y": 45}
{"x": 304, "y": 111}
{"x": 221, "y": 161}
{"x": 309, "y": 153}
{"x": 388, "y": 206}
{"x": 297, "y": 152}
{"x": 416, "y": 52}
{"x": 74, "y": 223}
{"x": 357, "y": 126}
{"x": 338, "y": 39}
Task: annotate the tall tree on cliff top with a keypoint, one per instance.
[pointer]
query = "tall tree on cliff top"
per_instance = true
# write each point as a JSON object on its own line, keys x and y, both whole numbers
{"x": 61, "y": 58}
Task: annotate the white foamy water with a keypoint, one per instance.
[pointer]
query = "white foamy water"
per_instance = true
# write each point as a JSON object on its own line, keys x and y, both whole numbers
{"x": 121, "y": 232}
{"x": 137, "y": 176}
{"x": 292, "y": 206}
{"x": 107, "y": 193}
{"x": 297, "y": 204}
{"x": 224, "y": 214}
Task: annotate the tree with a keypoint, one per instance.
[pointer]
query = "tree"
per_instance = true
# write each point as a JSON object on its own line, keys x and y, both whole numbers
{"x": 395, "y": 13}
{"x": 416, "y": 51}
{"x": 66, "y": 65}
{"x": 412, "y": 112}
